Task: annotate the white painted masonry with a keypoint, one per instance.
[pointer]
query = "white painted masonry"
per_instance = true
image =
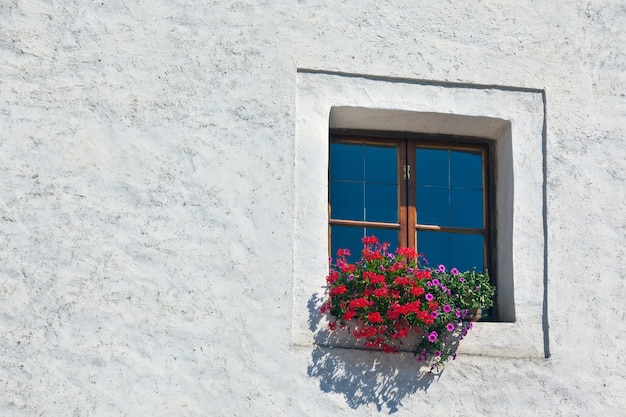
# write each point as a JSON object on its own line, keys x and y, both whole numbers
{"x": 162, "y": 212}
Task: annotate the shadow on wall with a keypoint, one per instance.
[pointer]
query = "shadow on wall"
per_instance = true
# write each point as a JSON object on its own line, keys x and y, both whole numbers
{"x": 361, "y": 375}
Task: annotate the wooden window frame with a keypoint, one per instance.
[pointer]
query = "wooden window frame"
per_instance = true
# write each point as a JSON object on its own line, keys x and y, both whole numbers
{"x": 407, "y": 213}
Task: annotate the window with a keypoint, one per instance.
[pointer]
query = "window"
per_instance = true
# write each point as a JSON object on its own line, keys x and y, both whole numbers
{"x": 512, "y": 121}
{"x": 430, "y": 192}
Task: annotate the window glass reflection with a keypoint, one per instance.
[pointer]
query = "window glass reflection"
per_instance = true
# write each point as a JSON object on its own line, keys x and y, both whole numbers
{"x": 467, "y": 251}
{"x": 435, "y": 246}
{"x": 381, "y": 164}
{"x": 346, "y": 161}
{"x": 381, "y": 203}
{"x": 346, "y": 200}
{"x": 431, "y": 167}
{"x": 344, "y": 237}
{"x": 466, "y": 208}
{"x": 466, "y": 168}
{"x": 432, "y": 206}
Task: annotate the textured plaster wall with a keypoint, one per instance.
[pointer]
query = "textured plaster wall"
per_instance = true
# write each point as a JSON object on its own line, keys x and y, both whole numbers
{"x": 147, "y": 204}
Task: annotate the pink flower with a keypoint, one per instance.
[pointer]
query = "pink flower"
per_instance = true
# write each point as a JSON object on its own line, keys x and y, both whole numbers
{"x": 454, "y": 271}
{"x": 432, "y": 337}
{"x": 449, "y": 327}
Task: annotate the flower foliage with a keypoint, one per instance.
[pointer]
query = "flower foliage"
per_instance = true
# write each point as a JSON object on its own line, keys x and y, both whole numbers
{"x": 385, "y": 298}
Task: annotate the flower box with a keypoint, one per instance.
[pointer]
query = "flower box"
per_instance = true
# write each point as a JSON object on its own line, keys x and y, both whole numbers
{"x": 388, "y": 300}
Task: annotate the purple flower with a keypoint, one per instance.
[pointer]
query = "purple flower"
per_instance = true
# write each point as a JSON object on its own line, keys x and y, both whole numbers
{"x": 425, "y": 261}
{"x": 409, "y": 270}
{"x": 432, "y": 337}
{"x": 390, "y": 255}
{"x": 454, "y": 271}
{"x": 464, "y": 331}
{"x": 462, "y": 279}
{"x": 429, "y": 296}
{"x": 444, "y": 288}
{"x": 430, "y": 284}
{"x": 457, "y": 313}
{"x": 441, "y": 268}
{"x": 350, "y": 277}
{"x": 437, "y": 353}
{"x": 434, "y": 314}
{"x": 447, "y": 308}
{"x": 436, "y": 282}
{"x": 449, "y": 327}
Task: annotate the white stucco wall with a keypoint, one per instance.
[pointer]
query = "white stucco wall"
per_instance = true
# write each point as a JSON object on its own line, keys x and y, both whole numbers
{"x": 149, "y": 214}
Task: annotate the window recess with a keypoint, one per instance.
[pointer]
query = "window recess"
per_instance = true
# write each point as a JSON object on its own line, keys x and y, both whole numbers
{"x": 430, "y": 192}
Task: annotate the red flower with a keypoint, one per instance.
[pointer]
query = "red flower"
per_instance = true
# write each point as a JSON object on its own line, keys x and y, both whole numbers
{"x": 433, "y": 305}
{"x": 417, "y": 291}
{"x": 377, "y": 279}
{"x": 349, "y": 315}
{"x": 340, "y": 289}
{"x": 370, "y": 255}
{"x": 425, "y": 317}
{"x": 394, "y": 311}
{"x": 332, "y": 277}
{"x": 413, "y": 307}
{"x": 422, "y": 274}
{"x": 380, "y": 292}
{"x": 332, "y": 325}
{"x": 374, "y": 317}
{"x": 358, "y": 303}
{"x": 365, "y": 332}
{"x": 401, "y": 281}
{"x": 369, "y": 240}
{"x": 408, "y": 252}
{"x": 343, "y": 252}
{"x": 396, "y": 267}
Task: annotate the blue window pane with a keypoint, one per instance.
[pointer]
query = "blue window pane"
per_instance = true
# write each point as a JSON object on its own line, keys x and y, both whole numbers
{"x": 344, "y": 237}
{"x": 346, "y": 200}
{"x": 466, "y": 208}
{"x": 432, "y": 206}
{"x": 431, "y": 167}
{"x": 466, "y": 169}
{"x": 381, "y": 203}
{"x": 385, "y": 235}
{"x": 346, "y": 162}
{"x": 467, "y": 251}
{"x": 435, "y": 246}
{"x": 381, "y": 164}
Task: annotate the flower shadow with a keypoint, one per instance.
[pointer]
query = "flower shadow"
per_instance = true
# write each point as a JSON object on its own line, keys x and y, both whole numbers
{"x": 363, "y": 376}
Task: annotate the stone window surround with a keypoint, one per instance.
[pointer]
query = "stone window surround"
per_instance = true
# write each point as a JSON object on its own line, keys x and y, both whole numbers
{"x": 513, "y": 117}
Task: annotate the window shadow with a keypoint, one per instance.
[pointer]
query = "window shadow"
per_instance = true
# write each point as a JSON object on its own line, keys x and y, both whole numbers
{"x": 363, "y": 376}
